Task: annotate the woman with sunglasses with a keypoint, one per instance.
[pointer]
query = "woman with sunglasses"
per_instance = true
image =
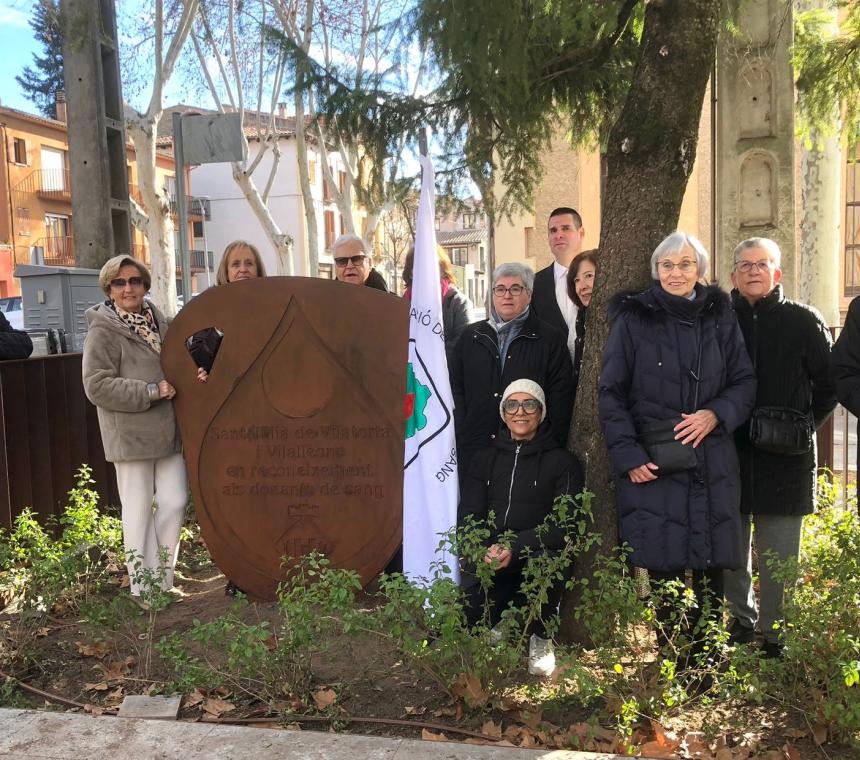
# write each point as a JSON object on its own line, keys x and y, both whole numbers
{"x": 517, "y": 479}
{"x": 123, "y": 377}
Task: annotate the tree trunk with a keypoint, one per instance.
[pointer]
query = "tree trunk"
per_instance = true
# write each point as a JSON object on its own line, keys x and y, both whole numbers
{"x": 281, "y": 242}
{"x": 313, "y": 251}
{"x": 650, "y": 155}
{"x": 158, "y": 225}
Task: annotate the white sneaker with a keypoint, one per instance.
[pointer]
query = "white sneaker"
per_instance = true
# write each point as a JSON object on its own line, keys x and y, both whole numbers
{"x": 541, "y": 656}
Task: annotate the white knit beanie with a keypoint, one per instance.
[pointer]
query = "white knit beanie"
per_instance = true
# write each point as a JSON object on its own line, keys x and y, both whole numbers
{"x": 524, "y": 386}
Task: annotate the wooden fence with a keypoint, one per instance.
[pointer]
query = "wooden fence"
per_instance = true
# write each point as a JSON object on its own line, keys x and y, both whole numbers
{"x": 48, "y": 429}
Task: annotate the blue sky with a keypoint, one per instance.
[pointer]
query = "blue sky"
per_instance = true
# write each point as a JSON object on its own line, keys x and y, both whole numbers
{"x": 18, "y": 45}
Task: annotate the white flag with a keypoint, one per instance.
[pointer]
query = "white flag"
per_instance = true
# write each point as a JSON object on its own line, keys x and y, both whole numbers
{"x": 430, "y": 485}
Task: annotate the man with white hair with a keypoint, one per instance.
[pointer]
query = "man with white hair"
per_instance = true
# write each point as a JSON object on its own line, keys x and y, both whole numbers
{"x": 789, "y": 345}
{"x": 512, "y": 344}
{"x": 353, "y": 263}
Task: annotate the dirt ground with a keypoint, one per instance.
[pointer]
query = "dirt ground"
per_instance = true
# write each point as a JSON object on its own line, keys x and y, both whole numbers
{"x": 368, "y": 679}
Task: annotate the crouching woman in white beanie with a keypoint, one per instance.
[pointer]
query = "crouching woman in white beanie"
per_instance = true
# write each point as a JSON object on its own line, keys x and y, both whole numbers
{"x": 517, "y": 479}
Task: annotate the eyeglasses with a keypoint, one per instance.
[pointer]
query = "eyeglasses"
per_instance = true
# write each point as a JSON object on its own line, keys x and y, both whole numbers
{"x": 747, "y": 267}
{"x": 342, "y": 261}
{"x": 514, "y": 290}
{"x": 529, "y": 406}
{"x": 686, "y": 266}
{"x": 121, "y": 282}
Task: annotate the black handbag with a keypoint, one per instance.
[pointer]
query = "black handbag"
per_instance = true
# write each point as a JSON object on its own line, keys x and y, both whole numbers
{"x": 658, "y": 438}
{"x": 670, "y": 456}
{"x": 781, "y": 430}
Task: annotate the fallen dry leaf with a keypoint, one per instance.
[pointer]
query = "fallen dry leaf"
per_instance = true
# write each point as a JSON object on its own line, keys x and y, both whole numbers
{"x": 217, "y": 707}
{"x": 324, "y": 698}
{"x": 115, "y": 697}
{"x": 96, "y": 649}
{"x": 469, "y": 689}
{"x": 795, "y": 733}
{"x": 194, "y": 698}
{"x": 94, "y": 709}
{"x": 430, "y": 736}
{"x": 657, "y": 749}
{"x": 819, "y": 733}
{"x": 100, "y": 686}
{"x": 790, "y": 752}
{"x": 476, "y": 740}
{"x": 117, "y": 670}
{"x": 412, "y": 710}
{"x": 724, "y": 753}
{"x": 42, "y": 632}
{"x": 492, "y": 729}
{"x": 223, "y": 692}
{"x": 125, "y": 582}
{"x": 530, "y": 718}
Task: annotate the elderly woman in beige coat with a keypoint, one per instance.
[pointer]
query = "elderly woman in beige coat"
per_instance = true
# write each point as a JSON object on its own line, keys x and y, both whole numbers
{"x": 123, "y": 377}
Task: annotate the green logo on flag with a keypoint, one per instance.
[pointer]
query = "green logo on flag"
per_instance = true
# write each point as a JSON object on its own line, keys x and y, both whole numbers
{"x": 417, "y": 396}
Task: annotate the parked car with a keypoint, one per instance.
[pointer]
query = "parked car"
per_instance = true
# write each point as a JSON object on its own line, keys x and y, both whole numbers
{"x": 13, "y": 309}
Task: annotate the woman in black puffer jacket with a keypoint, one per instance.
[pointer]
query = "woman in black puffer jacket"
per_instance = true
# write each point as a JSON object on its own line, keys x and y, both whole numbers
{"x": 676, "y": 357}
{"x": 518, "y": 479}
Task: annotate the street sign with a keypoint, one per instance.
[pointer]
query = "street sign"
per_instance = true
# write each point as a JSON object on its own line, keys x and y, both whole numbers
{"x": 212, "y": 138}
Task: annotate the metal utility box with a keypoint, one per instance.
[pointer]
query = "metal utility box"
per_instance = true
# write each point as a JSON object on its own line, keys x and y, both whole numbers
{"x": 57, "y": 298}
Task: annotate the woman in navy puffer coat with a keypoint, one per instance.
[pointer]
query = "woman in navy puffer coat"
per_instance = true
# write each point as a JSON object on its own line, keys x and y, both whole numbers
{"x": 689, "y": 519}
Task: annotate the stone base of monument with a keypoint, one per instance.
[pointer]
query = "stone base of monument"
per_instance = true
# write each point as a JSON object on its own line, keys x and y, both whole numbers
{"x": 154, "y": 708}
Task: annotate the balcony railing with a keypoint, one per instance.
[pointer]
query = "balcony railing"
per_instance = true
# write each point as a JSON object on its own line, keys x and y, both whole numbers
{"x": 199, "y": 260}
{"x": 198, "y": 208}
{"x": 53, "y": 184}
{"x": 59, "y": 251}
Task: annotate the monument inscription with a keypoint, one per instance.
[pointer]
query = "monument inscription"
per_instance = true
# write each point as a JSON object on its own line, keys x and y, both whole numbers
{"x": 295, "y": 442}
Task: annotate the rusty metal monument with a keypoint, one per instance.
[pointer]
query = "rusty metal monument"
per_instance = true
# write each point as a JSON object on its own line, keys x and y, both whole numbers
{"x": 295, "y": 443}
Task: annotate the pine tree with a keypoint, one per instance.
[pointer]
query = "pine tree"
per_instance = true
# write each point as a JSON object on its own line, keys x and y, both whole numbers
{"x": 41, "y": 81}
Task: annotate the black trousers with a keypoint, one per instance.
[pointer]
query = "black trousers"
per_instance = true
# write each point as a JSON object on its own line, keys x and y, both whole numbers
{"x": 506, "y": 590}
{"x": 707, "y": 585}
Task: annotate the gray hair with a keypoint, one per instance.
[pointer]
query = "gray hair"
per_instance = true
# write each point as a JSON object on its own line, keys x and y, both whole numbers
{"x": 515, "y": 269}
{"x": 674, "y": 244}
{"x": 759, "y": 242}
{"x": 350, "y": 238}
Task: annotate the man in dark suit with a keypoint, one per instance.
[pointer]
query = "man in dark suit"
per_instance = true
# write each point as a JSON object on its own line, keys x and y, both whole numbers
{"x": 550, "y": 300}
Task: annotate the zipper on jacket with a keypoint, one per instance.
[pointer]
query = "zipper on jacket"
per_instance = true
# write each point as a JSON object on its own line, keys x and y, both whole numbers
{"x": 511, "y": 487}
{"x": 750, "y": 447}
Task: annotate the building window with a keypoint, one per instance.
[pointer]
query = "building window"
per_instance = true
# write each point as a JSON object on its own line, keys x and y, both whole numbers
{"x": 327, "y": 196}
{"x": 23, "y": 221}
{"x": 53, "y": 169}
{"x": 460, "y": 256}
{"x": 482, "y": 259}
{"x": 468, "y": 221}
{"x": 852, "y": 223}
{"x": 341, "y": 180}
{"x": 312, "y": 171}
{"x": 329, "y": 229}
{"x": 326, "y": 271}
{"x": 438, "y": 223}
{"x": 19, "y": 147}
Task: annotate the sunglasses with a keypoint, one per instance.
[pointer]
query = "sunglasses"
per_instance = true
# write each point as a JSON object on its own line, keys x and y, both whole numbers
{"x": 121, "y": 282}
{"x": 529, "y": 406}
{"x": 356, "y": 260}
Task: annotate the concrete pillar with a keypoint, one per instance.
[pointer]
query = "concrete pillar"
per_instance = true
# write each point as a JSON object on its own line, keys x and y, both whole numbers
{"x": 97, "y": 153}
{"x": 755, "y": 162}
{"x": 820, "y": 230}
